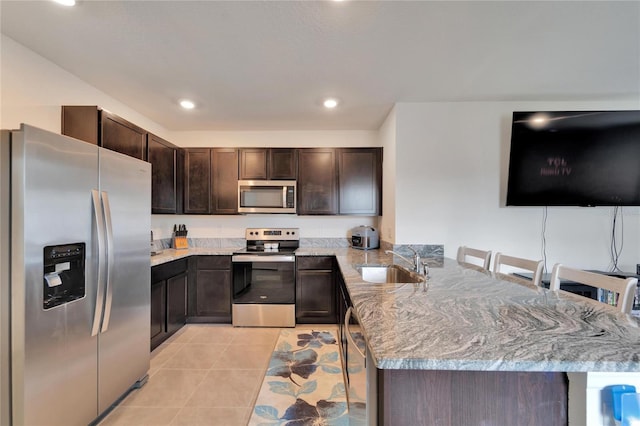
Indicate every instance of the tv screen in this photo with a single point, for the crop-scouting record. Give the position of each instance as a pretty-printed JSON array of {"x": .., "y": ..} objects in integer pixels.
[{"x": 575, "y": 158}]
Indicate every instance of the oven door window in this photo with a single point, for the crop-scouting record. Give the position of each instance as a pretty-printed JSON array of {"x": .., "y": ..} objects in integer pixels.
[{"x": 264, "y": 282}]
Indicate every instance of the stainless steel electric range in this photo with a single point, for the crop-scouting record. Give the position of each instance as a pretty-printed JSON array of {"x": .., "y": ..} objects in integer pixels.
[{"x": 264, "y": 279}]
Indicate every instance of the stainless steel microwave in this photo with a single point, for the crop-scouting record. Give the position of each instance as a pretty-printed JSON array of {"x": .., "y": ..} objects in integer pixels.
[{"x": 266, "y": 196}]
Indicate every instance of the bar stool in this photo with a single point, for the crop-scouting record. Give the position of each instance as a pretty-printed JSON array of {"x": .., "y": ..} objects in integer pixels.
[
  {"x": 624, "y": 287},
  {"x": 484, "y": 256},
  {"x": 533, "y": 266}
]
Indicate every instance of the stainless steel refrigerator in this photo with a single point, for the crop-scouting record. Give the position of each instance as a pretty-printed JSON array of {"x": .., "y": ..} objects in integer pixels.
[{"x": 74, "y": 277}]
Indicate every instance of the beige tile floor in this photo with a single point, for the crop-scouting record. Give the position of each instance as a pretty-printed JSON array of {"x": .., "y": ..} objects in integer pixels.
[{"x": 205, "y": 374}]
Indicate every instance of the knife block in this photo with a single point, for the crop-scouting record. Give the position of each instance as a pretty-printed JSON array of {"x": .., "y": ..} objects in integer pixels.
[{"x": 180, "y": 242}]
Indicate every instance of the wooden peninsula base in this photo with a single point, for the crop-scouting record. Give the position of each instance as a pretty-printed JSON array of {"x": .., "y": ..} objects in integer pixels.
[{"x": 454, "y": 398}]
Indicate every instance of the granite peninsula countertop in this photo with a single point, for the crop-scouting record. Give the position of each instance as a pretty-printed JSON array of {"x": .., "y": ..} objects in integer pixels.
[
  {"x": 168, "y": 255},
  {"x": 466, "y": 319},
  {"x": 471, "y": 320}
]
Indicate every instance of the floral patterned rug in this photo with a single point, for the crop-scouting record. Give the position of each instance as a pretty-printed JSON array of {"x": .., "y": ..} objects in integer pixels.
[{"x": 304, "y": 382}]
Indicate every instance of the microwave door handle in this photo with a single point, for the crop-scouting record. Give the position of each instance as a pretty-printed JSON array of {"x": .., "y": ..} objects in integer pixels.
[{"x": 284, "y": 196}]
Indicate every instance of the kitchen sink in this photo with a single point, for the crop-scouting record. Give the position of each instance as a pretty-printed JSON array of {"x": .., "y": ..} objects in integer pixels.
[{"x": 389, "y": 274}]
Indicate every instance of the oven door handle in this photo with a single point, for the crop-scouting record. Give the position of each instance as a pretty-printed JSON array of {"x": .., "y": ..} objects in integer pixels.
[{"x": 238, "y": 258}]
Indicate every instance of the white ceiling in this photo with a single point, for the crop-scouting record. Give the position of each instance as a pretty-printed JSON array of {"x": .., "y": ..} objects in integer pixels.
[{"x": 260, "y": 65}]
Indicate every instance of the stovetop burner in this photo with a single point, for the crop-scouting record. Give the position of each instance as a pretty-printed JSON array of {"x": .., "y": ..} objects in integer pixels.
[{"x": 270, "y": 241}]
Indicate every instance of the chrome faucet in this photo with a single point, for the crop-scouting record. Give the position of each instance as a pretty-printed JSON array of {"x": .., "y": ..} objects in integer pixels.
[{"x": 415, "y": 263}]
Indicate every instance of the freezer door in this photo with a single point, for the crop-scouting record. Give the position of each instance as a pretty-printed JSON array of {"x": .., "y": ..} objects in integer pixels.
[
  {"x": 125, "y": 187},
  {"x": 54, "y": 357}
]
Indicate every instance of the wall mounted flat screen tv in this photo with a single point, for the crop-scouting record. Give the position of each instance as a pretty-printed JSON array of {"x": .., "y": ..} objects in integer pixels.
[{"x": 574, "y": 158}]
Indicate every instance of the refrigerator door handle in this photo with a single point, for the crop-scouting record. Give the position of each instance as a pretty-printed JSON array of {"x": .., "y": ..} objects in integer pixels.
[
  {"x": 99, "y": 221},
  {"x": 110, "y": 260}
]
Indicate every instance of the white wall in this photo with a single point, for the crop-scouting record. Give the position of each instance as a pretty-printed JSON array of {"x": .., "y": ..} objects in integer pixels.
[
  {"x": 277, "y": 139},
  {"x": 32, "y": 90},
  {"x": 209, "y": 226},
  {"x": 387, "y": 136},
  {"x": 450, "y": 186}
]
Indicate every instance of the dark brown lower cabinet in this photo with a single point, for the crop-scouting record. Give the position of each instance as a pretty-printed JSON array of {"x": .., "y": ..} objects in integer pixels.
[
  {"x": 168, "y": 299},
  {"x": 176, "y": 302},
  {"x": 315, "y": 290},
  {"x": 158, "y": 312},
  {"x": 453, "y": 398},
  {"x": 210, "y": 289}
]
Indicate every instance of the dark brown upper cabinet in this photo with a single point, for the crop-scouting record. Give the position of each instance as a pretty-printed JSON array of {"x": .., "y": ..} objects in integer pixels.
[
  {"x": 360, "y": 181},
  {"x": 197, "y": 181},
  {"x": 211, "y": 181},
  {"x": 81, "y": 122},
  {"x": 253, "y": 163},
  {"x": 224, "y": 184},
  {"x": 268, "y": 163},
  {"x": 317, "y": 181},
  {"x": 97, "y": 126},
  {"x": 122, "y": 136},
  {"x": 166, "y": 176}
]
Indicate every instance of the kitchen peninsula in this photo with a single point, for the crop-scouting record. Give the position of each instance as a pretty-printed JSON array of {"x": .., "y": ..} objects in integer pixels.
[{"x": 469, "y": 347}]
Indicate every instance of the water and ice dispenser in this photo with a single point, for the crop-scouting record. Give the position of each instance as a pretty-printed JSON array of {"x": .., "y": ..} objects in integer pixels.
[{"x": 64, "y": 276}]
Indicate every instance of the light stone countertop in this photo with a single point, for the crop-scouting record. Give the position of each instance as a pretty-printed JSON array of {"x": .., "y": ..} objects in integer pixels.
[
  {"x": 470, "y": 320},
  {"x": 168, "y": 255}
]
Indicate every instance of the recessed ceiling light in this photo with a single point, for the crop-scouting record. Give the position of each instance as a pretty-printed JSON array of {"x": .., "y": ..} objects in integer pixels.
[
  {"x": 66, "y": 2},
  {"x": 330, "y": 103},
  {"x": 187, "y": 104}
]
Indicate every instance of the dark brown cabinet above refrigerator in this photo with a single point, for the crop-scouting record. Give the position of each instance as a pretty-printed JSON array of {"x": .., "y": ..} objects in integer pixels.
[
  {"x": 100, "y": 127},
  {"x": 94, "y": 125}
]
